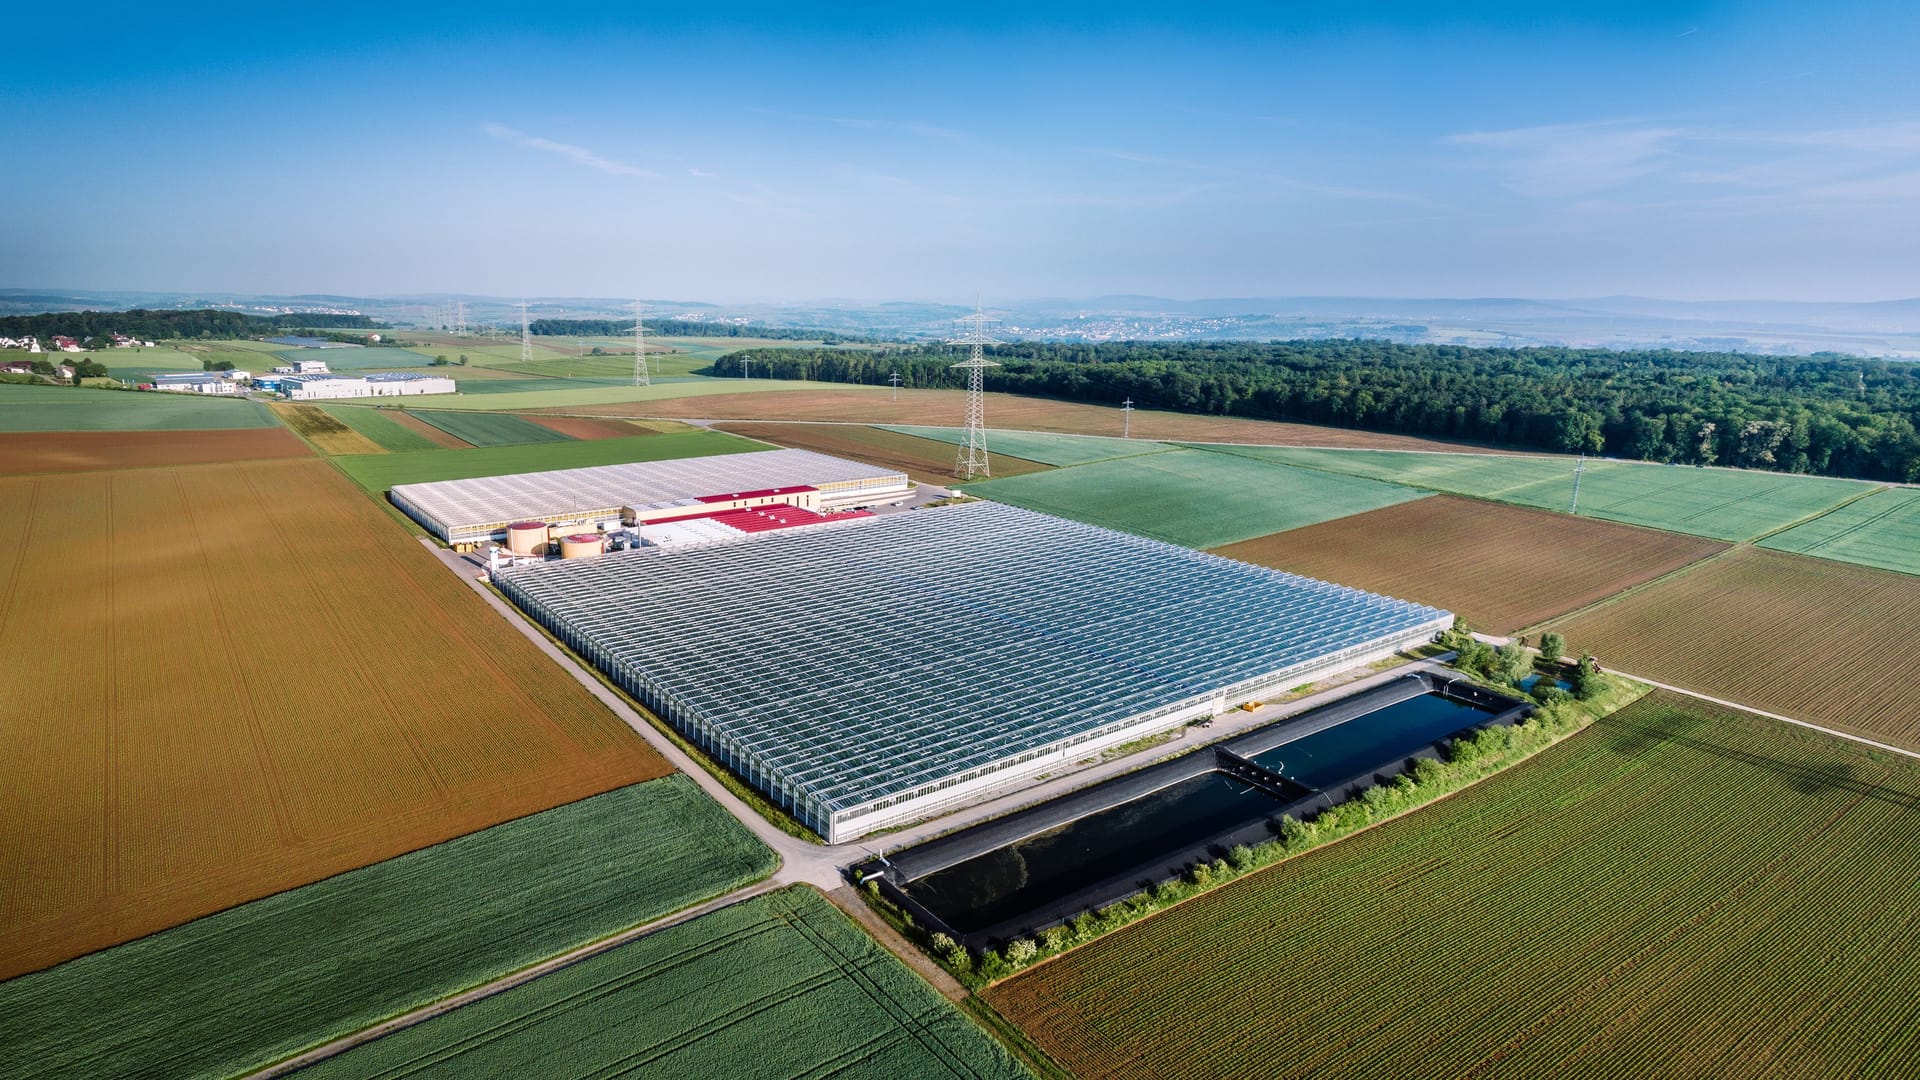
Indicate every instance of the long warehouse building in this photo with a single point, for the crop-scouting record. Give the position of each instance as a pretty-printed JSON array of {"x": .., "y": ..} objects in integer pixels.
[
  {"x": 868, "y": 676},
  {"x": 607, "y": 496}
]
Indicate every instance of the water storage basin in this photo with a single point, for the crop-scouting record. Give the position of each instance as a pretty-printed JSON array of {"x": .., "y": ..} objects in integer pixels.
[
  {"x": 1041, "y": 866},
  {"x": 1340, "y": 753},
  {"x": 1043, "y": 869}
]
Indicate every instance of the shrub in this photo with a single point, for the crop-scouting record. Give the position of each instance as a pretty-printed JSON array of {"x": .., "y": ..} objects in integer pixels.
[
  {"x": 1552, "y": 647},
  {"x": 1021, "y": 951},
  {"x": 1241, "y": 857}
]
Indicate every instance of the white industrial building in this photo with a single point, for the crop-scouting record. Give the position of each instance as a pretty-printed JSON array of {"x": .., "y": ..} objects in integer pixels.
[
  {"x": 607, "y": 497},
  {"x": 197, "y": 382},
  {"x": 379, "y": 384}
]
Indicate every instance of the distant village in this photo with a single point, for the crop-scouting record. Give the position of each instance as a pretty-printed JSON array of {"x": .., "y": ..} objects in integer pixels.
[{"x": 298, "y": 380}]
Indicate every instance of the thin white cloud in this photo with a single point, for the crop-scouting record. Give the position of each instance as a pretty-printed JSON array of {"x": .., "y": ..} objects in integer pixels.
[
  {"x": 911, "y": 127},
  {"x": 1257, "y": 178},
  {"x": 1723, "y": 169},
  {"x": 579, "y": 155},
  {"x": 1563, "y": 160}
]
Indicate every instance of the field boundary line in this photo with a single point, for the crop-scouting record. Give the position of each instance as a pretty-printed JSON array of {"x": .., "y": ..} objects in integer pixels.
[
  {"x": 508, "y": 981},
  {"x": 1816, "y": 516},
  {"x": 1808, "y": 724},
  {"x": 1634, "y": 590}
]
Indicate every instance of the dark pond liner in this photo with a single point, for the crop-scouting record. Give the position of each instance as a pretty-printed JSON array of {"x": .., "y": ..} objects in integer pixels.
[{"x": 1232, "y": 760}]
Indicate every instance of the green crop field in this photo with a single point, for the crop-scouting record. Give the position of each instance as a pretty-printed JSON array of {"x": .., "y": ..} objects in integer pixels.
[
  {"x": 1880, "y": 530},
  {"x": 507, "y": 382},
  {"x": 71, "y": 408},
  {"x": 375, "y": 424},
  {"x": 373, "y": 358},
  {"x": 782, "y": 985},
  {"x": 378, "y": 472},
  {"x": 1193, "y": 497},
  {"x": 490, "y": 429},
  {"x": 569, "y": 393},
  {"x": 254, "y": 984},
  {"x": 1721, "y": 504},
  {"x": 1043, "y": 447},
  {"x": 1681, "y": 890}
]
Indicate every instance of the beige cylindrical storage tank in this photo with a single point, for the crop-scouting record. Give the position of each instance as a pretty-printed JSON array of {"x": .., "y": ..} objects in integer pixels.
[
  {"x": 580, "y": 546},
  {"x": 525, "y": 537}
]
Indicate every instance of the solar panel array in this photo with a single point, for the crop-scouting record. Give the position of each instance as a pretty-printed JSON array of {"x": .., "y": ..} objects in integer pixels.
[
  {"x": 456, "y": 508},
  {"x": 840, "y": 668}
]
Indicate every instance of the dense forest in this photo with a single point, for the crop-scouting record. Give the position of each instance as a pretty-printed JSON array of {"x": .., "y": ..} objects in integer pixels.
[
  {"x": 152, "y": 325},
  {"x": 681, "y": 328},
  {"x": 1826, "y": 414}
]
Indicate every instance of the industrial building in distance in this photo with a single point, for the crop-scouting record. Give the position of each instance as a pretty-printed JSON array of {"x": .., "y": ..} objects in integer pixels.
[
  {"x": 606, "y": 498},
  {"x": 866, "y": 676},
  {"x": 377, "y": 384}
]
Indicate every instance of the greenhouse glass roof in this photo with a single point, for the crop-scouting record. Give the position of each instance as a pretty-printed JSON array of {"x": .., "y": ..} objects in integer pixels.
[{"x": 862, "y": 662}]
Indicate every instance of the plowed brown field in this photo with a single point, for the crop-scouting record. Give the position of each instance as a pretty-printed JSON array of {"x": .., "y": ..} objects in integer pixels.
[
  {"x": 226, "y": 682},
  {"x": 925, "y": 460},
  {"x": 587, "y": 427},
  {"x": 945, "y": 408},
  {"x": 421, "y": 427},
  {"x": 1811, "y": 639},
  {"x": 82, "y": 451},
  {"x": 1501, "y": 567}
]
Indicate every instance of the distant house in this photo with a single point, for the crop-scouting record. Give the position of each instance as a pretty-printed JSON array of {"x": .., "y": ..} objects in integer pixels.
[
  {"x": 17, "y": 367},
  {"x": 310, "y": 367},
  {"x": 63, "y": 371},
  {"x": 66, "y": 344}
]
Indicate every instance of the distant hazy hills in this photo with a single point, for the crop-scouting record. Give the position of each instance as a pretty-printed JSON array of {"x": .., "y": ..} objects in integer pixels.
[{"x": 1887, "y": 329}]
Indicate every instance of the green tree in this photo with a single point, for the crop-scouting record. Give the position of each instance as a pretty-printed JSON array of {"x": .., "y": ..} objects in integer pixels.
[
  {"x": 1586, "y": 678},
  {"x": 1552, "y": 647},
  {"x": 1512, "y": 662}
]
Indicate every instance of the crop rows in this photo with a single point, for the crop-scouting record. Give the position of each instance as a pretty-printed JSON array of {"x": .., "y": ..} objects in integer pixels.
[
  {"x": 89, "y": 451},
  {"x": 247, "y": 986},
  {"x": 387, "y": 428},
  {"x": 782, "y": 985},
  {"x": 490, "y": 429},
  {"x": 1809, "y": 638},
  {"x": 1047, "y": 448},
  {"x": 1501, "y": 567},
  {"x": 264, "y": 683},
  {"x": 378, "y": 472},
  {"x": 65, "y": 408},
  {"x": 1880, "y": 530},
  {"x": 1193, "y": 497},
  {"x": 325, "y": 430},
  {"x": 1720, "y": 504},
  {"x": 1681, "y": 890},
  {"x": 923, "y": 459}
]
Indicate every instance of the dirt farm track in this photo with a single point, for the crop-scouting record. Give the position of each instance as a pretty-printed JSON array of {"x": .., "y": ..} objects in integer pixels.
[{"x": 242, "y": 679}]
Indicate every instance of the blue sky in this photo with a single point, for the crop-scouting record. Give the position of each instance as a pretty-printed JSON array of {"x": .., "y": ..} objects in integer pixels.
[{"x": 1687, "y": 150}]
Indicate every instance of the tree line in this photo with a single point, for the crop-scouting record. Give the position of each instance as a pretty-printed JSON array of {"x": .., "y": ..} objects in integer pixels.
[
  {"x": 1825, "y": 414},
  {"x": 151, "y": 325},
  {"x": 683, "y": 328}
]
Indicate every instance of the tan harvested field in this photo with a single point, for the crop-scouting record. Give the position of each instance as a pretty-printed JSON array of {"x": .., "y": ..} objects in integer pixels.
[
  {"x": 225, "y": 682},
  {"x": 944, "y": 408},
  {"x": 588, "y": 427},
  {"x": 324, "y": 431},
  {"x": 1501, "y": 567},
  {"x": 1807, "y": 638},
  {"x": 422, "y": 428},
  {"x": 84, "y": 451},
  {"x": 925, "y": 460}
]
